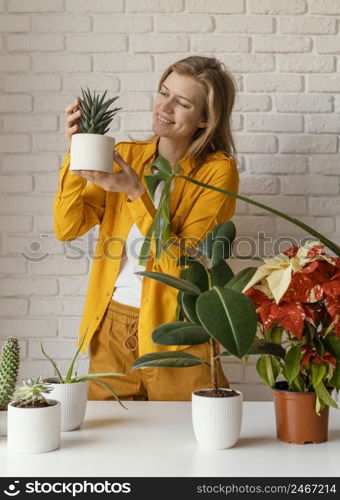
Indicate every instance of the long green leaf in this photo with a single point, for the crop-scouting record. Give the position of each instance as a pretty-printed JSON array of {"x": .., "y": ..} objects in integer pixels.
[
  {"x": 318, "y": 373},
  {"x": 332, "y": 345},
  {"x": 221, "y": 273},
  {"x": 241, "y": 279},
  {"x": 104, "y": 384},
  {"x": 230, "y": 318},
  {"x": 179, "y": 333},
  {"x": 324, "y": 395},
  {"x": 268, "y": 368},
  {"x": 264, "y": 347},
  {"x": 335, "y": 380},
  {"x": 61, "y": 381},
  {"x": 173, "y": 281},
  {"x": 170, "y": 359},
  {"x": 332, "y": 246},
  {"x": 292, "y": 363},
  {"x": 70, "y": 370}
]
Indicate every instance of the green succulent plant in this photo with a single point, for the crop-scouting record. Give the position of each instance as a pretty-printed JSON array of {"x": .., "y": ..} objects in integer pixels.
[
  {"x": 30, "y": 393},
  {"x": 96, "y": 115},
  {"x": 9, "y": 367},
  {"x": 72, "y": 377}
]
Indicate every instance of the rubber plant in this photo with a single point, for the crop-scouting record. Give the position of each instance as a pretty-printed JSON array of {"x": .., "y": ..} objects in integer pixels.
[{"x": 211, "y": 308}]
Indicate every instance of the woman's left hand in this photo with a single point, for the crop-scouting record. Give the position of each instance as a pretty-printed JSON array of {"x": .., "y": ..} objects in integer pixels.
[{"x": 125, "y": 181}]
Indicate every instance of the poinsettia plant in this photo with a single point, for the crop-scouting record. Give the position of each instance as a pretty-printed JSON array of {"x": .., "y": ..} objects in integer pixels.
[{"x": 297, "y": 299}]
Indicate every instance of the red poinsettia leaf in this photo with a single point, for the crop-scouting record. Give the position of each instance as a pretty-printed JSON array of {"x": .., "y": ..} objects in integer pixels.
[
  {"x": 291, "y": 251},
  {"x": 309, "y": 312},
  {"x": 256, "y": 296},
  {"x": 266, "y": 316},
  {"x": 333, "y": 307},
  {"x": 329, "y": 358},
  {"x": 332, "y": 289},
  {"x": 303, "y": 288},
  {"x": 291, "y": 316}
]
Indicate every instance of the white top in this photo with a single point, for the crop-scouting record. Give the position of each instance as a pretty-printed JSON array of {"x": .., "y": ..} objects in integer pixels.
[
  {"x": 128, "y": 286},
  {"x": 155, "y": 438}
]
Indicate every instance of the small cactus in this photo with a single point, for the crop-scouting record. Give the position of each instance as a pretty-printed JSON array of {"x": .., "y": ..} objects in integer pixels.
[
  {"x": 30, "y": 393},
  {"x": 9, "y": 367}
]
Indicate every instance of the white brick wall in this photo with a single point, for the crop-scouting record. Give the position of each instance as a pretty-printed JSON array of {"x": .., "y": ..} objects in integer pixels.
[{"x": 284, "y": 55}]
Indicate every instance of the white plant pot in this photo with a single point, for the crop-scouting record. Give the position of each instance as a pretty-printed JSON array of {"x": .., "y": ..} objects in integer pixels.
[
  {"x": 33, "y": 430},
  {"x": 92, "y": 152},
  {"x": 3, "y": 423},
  {"x": 217, "y": 421},
  {"x": 73, "y": 399}
]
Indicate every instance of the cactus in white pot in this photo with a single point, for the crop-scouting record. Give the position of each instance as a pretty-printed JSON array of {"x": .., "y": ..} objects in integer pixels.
[
  {"x": 91, "y": 149},
  {"x": 9, "y": 367}
]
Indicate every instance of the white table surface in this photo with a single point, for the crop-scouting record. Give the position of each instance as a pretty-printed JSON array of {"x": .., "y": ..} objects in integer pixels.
[{"x": 156, "y": 439}]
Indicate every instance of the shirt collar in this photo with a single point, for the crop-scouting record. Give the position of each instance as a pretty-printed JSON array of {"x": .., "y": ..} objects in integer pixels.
[{"x": 150, "y": 154}]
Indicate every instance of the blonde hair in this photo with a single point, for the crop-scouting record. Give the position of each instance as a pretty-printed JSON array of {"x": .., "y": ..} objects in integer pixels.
[{"x": 220, "y": 90}]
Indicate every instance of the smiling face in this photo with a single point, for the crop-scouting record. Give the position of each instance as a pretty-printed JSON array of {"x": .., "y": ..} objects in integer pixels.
[{"x": 178, "y": 108}]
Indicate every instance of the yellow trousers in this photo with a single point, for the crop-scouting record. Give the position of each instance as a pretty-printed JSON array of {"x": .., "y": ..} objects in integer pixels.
[{"x": 114, "y": 348}]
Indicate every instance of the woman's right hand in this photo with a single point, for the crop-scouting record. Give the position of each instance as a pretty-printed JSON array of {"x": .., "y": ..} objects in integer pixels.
[{"x": 72, "y": 113}]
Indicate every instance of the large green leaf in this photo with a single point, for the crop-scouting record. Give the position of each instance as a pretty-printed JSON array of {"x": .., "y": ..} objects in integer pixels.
[
  {"x": 221, "y": 274},
  {"x": 332, "y": 345},
  {"x": 241, "y": 279},
  {"x": 268, "y": 368},
  {"x": 324, "y": 395},
  {"x": 335, "y": 380},
  {"x": 229, "y": 317},
  {"x": 292, "y": 363},
  {"x": 179, "y": 333},
  {"x": 197, "y": 274},
  {"x": 188, "y": 304},
  {"x": 170, "y": 359},
  {"x": 152, "y": 182},
  {"x": 264, "y": 347},
  {"x": 163, "y": 166},
  {"x": 223, "y": 237},
  {"x": 170, "y": 280},
  {"x": 318, "y": 373}
]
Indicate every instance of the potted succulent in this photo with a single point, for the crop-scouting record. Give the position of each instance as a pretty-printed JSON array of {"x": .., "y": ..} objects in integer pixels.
[
  {"x": 90, "y": 148},
  {"x": 71, "y": 391},
  {"x": 33, "y": 421},
  {"x": 9, "y": 367},
  {"x": 212, "y": 309},
  {"x": 297, "y": 298}
]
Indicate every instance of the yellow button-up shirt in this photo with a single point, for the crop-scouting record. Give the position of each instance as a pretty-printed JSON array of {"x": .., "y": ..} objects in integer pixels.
[{"x": 195, "y": 210}]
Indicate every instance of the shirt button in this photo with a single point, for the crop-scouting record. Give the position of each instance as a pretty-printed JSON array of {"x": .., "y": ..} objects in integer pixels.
[
  {"x": 97, "y": 318},
  {"x": 108, "y": 294},
  {"x": 145, "y": 299}
]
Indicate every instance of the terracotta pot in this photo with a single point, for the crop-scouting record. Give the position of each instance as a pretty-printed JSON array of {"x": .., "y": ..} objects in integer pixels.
[{"x": 296, "y": 419}]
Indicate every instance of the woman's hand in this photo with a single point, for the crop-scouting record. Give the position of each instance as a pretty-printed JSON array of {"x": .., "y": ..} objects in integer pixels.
[
  {"x": 72, "y": 113},
  {"x": 125, "y": 181}
]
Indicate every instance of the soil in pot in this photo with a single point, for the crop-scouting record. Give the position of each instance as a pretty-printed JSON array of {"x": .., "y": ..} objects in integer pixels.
[
  {"x": 39, "y": 403},
  {"x": 217, "y": 393},
  {"x": 296, "y": 419}
]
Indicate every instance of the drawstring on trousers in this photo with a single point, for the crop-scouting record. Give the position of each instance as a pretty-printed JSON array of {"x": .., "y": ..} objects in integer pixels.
[{"x": 131, "y": 341}]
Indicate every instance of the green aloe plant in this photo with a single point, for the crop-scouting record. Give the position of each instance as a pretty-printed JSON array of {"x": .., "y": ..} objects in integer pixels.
[
  {"x": 211, "y": 308},
  {"x": 30, "y": 394},
  {"x": 160, "y": 228},
  {"x": 71, "y": 378}
]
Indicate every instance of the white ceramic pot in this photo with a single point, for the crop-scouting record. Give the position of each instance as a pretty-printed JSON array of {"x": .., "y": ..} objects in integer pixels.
[
  {"x": 3, "y": 423},
  {"x": 73, "y": 399},
  {"x": 34, "y": 430},
  {"x": 92, "y": 152},
  {"x": 217, "y": 421}
]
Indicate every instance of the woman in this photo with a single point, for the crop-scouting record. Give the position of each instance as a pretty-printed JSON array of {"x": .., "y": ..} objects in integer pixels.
[{"x": 191, "y": 123}]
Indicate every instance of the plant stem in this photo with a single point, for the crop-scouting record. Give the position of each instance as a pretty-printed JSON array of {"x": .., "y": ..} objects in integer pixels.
[
  {"x": 332, "y": 246},
  {"x": 213, "y": 364}
]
